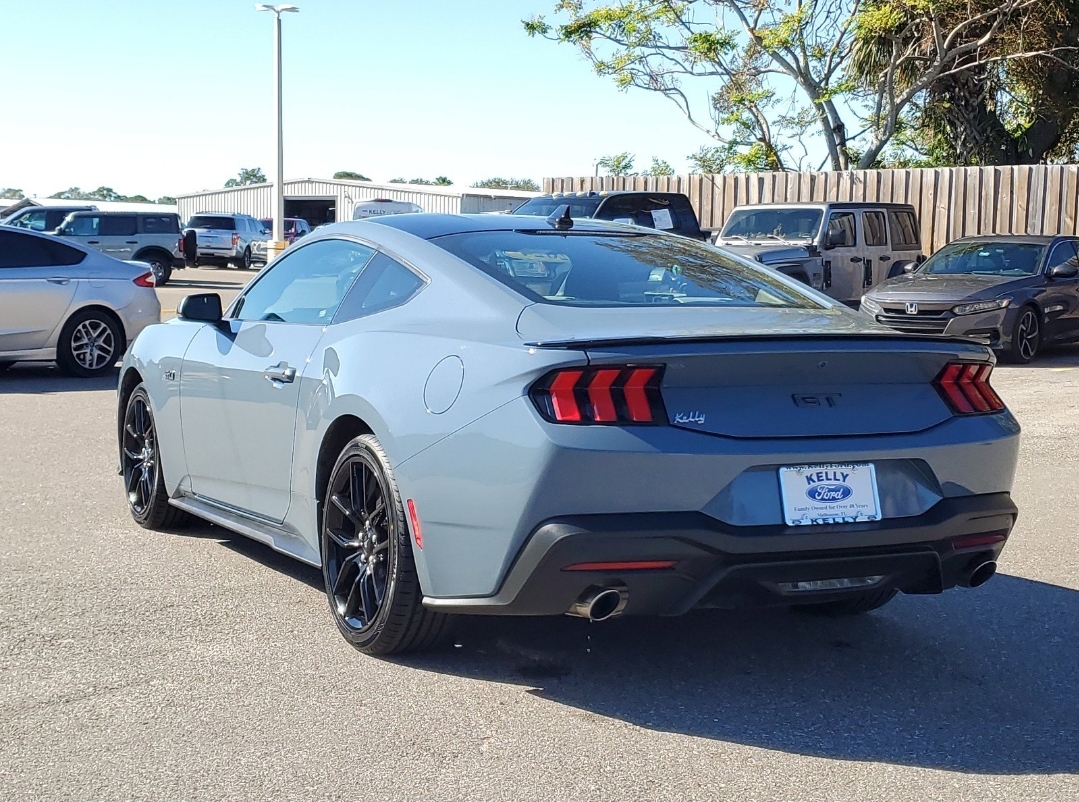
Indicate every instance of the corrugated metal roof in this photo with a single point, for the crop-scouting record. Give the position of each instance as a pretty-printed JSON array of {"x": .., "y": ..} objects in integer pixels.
[{"x": 256, "y": 199}]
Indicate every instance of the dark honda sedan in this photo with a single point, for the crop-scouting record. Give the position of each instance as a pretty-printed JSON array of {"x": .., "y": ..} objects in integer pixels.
[{"x": 1013, "y": 293}]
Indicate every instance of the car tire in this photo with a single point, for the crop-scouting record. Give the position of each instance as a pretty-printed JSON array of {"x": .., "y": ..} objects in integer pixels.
[
  {"x": 245, "y": 260},
  {"x": 160, "y": 266},
  {"x": 1026, "y": 336},
  {"x": 369, "y": 570},
  {"x": 90, "y": 344},
  {"x": 140, "y": 461},
  {"x": 855, "y": 604}
]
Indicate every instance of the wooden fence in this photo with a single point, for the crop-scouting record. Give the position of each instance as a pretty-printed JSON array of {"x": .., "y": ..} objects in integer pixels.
[{"x": 952, "y": 202}]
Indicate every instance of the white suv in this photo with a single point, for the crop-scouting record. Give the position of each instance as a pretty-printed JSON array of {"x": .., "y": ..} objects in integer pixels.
[{"x": 224, "y": 238}]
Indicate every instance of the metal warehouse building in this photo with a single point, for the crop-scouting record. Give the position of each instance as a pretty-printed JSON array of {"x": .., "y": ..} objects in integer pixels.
[{"x": 321, "y": 201}]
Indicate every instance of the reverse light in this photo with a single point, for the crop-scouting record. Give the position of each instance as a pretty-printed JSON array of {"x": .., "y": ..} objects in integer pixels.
[
  {"x": 981, "y": 306},
  {"x": 604, "y": 395},
  {"x": 965, "y": 386},
  {"x": 145, "y": 280}
]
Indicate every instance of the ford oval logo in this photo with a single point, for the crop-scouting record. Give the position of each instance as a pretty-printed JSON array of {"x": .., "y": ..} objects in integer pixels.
[{"x": 829, "y": 493}]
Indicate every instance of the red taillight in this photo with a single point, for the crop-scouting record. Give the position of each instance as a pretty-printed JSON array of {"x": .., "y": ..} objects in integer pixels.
[
  {"x": 235, "y": 240},
  {"x": 626, "y": 565},
  {"x": 145, "y": 280},
  {"x": 611, "y": 395},
  {"x": 414, "y": 519},
  {"x": 965, "y": 386},
  {"x": 976, "y": 541}
]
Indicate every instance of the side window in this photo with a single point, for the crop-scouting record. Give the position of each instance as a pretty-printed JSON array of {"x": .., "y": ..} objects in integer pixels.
[
  {"x": 384, "y": 284},
  {"x": 35, "y": 221},
  {"x": 1063, "y": 253},
  {"x": 118, "y": 225},
  {"x": 652, "y": 212},
  {"x": 843, "y": 221},
  {"x": 904, "y": 231},
  {"x": 685, "y": 217},
  {"x": 306, "y": 285},
  {"x": 152, "y": 224},
  {"x": 873, "y": 226},
  {"x": 84, "y": 226},
  {"x": 26, "y": 250}
]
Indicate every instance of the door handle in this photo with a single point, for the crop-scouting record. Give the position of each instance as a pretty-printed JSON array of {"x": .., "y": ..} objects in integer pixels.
[
  {"x": 856, "y": 258},
  {"x": 58, "y": 280},
  {"x": 131, "y": 242},
  {"x": 885, "y": 258},
  {"x": 93, "y": 242},
  {"x": 280, "y": 373}
]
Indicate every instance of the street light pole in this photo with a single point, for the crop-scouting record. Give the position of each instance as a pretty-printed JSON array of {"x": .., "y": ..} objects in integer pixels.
[{"x": 278, "y": 244}]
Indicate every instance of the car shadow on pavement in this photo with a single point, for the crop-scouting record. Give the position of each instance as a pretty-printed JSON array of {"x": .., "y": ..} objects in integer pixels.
[
  {"x": 30, "y": 378},
  {"x": 1054, "y": 356},
  {"x": 982, "y": 681},
  {"x": 256, "y": 551},
  {"x": 202, "y": 284}
]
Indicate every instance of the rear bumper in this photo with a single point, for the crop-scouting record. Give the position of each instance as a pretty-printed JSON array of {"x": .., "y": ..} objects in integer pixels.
[{"x": 718, "y": 565}]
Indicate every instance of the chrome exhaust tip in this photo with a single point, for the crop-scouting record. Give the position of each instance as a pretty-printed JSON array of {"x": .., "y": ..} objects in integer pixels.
[
  {"x": 599, "y": 604},
  {"x": 979, "y": 574}
]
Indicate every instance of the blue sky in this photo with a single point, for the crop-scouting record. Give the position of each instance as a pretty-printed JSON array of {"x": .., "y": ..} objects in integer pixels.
[{"x": 171, "y": 96}]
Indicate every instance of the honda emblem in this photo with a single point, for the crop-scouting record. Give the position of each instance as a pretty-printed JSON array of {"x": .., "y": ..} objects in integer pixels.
[{"x": 912, "y": 309}]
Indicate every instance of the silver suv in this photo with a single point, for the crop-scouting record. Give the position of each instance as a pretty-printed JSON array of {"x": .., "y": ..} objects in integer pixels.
[
  {"x": 224, "y": 238},
  {"x": 842, "y": 249},
  {"x": 151, "y": 237}
]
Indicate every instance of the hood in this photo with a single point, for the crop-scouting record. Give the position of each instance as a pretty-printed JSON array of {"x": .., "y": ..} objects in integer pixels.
[
  {"x": 768, "y": 253},
  {"x": 551, "y": 323},
  {"x": 929, "y": 288}
]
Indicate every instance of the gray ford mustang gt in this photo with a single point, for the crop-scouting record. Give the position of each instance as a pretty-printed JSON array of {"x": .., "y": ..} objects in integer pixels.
[{"x": 515, "y": 415}]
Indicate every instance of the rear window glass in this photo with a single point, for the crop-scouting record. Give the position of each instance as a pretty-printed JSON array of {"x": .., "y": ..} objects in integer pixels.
[
  {"x": 545, "y": 207},
  {"x": 904, "y": 230},
  {"x": 589, "y": 269},
  {"x": 212, "y": 222}
]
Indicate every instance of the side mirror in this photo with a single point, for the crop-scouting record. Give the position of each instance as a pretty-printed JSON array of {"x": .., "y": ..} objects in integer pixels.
[
  {"x": 61, "y": 231},
  {"x": 1066, "y": 270},
  {"x": 835, "y": 238},
  {"x": 204, "y": 307},
  {"x": 901, "y": 267}
]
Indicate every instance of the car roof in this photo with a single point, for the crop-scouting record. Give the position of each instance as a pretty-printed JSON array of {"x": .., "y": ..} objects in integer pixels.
[
  {"x": 840, "y": 205},
  {"x": 430, "y": 225},
  {"x": 83, "y": 212}
]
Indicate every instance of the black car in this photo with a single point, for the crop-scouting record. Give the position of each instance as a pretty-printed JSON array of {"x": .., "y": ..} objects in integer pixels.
[
  {"x": 668, "y": 211},
  {"x": 1014, "y": 293}
]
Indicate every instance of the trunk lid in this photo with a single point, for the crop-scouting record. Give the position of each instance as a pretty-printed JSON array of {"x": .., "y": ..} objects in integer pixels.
[{"x": 772, "y": 373}]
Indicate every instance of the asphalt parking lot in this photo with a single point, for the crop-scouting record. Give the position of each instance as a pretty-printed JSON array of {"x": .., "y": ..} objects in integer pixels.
[{"x": 136, "y": 665}]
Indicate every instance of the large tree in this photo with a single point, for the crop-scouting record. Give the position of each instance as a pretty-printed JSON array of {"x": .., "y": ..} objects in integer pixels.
[
  {"x": 1013, "y": 100},
  {"x": 759, "y": 76},
  {"x": 525, "y": 184},
  {"x": 11, "y": 192},
  {"x": 349, "y": 175}
]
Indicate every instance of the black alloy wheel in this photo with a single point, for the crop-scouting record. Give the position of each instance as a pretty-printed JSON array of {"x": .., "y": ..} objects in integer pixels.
[
  {"x": 140, "y": 461},
  {"x": 245, "y": 261},
  {"x": 1027, "y": 337},
  {"x": 368, "y": 566}
]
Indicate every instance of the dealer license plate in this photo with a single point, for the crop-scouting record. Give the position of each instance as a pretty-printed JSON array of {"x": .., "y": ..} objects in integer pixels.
[{"x": 829, "y": 494}]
